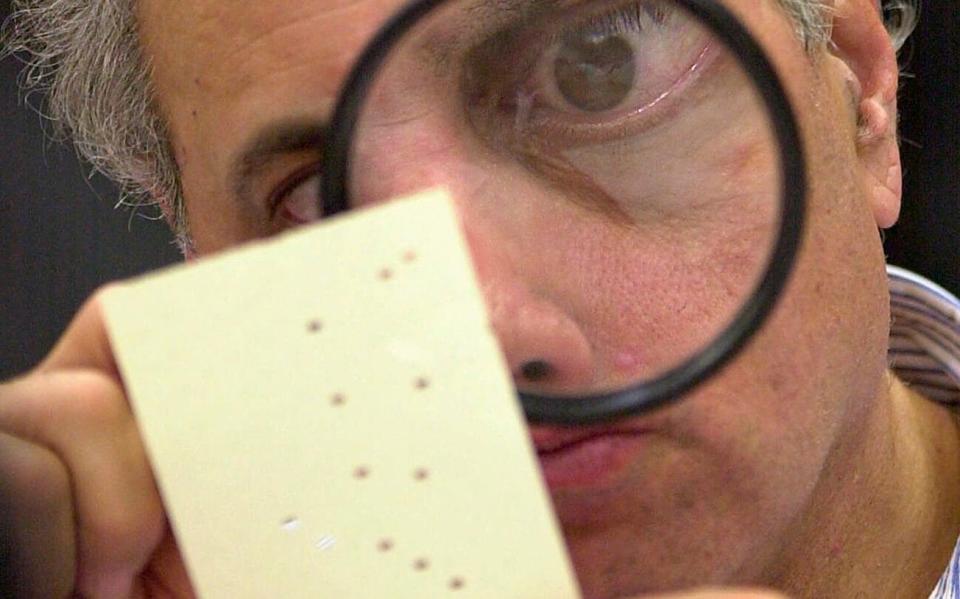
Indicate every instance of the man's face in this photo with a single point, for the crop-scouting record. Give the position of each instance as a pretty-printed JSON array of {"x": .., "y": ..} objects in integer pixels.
[{"x": 712, "y": 490}]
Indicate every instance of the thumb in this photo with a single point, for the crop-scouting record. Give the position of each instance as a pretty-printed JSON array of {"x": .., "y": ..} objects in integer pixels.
[{"x": 85, "y": 344}]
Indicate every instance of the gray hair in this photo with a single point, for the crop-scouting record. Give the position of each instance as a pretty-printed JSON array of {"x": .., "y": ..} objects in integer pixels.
[{"x": 86, "y": 56}]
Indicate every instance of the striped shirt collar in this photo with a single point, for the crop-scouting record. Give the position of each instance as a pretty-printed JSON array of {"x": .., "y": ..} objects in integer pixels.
[
  {"x": 925, "y": 336},
  {"x": 925, "y": 354}
]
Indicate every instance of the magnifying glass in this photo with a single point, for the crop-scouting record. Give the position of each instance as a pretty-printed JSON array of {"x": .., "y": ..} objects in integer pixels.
[{"x": 635, "y": 164}]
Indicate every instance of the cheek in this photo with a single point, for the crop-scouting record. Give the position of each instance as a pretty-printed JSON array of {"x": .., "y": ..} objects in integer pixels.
[
  {"x": 657, "y": 293},
  {"x": 712, "y": 502},
  {"x": 645, "y": 292},
  {"x": 739, "y": 460},
  {"x": 744, "y": 454},
  {"x": 698, "y": 208}
]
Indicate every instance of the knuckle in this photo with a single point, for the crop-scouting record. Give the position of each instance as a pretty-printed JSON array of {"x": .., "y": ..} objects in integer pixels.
[
  {"x": 54, "y": 407},
  {"x": 34, "y": 480},
  {"x": 85, "y": 343},
  {"x": 114, "y": 527},
  {"x": 95, "y": 398},
  {"x": 36, "y": 522},
  {"x": 65, "y": 411},
  {"x": 95, "y": 302},
  {"x": 125, "y": 533}
]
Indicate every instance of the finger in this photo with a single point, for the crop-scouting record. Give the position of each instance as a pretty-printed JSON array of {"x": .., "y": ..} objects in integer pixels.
[
  {"x": 36, "y": 517},
  {"x": 85, "y": 344},
  {"x": 83, "y": 417},
  {"x": 166, "y": 575}
]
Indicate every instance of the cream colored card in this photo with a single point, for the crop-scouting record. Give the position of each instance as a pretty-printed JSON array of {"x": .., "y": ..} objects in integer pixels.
[{"x": 328, "y": 415}]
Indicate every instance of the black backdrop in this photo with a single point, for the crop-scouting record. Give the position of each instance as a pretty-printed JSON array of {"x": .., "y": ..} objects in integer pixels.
[
  {"x": 60, "y": 236},
  {"x": 927, "y": 239}
]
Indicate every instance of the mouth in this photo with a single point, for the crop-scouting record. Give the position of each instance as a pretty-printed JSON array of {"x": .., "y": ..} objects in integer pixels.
[{"x": 592, "y": 459}]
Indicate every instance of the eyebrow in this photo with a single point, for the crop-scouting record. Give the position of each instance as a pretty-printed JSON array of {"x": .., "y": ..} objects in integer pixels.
[
  {"x": 473, "y": 20},
  {"x": 291, "y": 136},
  {"x": 273, "y": 141}
]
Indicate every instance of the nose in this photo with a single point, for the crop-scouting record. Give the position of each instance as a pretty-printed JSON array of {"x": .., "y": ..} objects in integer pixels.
[{"x": 545, "y": 347}]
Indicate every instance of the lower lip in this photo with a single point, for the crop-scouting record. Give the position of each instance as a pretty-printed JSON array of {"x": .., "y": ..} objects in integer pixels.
[{"x": 593, "y": 463}]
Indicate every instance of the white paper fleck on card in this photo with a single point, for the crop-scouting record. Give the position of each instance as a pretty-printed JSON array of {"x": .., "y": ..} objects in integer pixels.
[{"x": 328, "y": 415}]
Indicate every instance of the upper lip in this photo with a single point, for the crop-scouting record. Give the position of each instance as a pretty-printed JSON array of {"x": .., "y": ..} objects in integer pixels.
[{"x": 549, "y": 439}]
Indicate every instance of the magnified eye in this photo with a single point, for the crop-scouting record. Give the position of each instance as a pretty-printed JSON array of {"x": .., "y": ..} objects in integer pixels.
[
  {"x": 594, "y": 66},
  {"x": 631, "y": 162},
  {"x": 593, "y": 71}
]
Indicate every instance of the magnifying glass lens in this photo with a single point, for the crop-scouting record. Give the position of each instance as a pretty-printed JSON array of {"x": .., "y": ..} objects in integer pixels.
[{"x": 616, "y": 167}]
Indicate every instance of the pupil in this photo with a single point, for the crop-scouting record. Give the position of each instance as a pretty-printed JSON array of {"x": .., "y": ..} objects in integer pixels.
[{"x": 595, "y": 72}]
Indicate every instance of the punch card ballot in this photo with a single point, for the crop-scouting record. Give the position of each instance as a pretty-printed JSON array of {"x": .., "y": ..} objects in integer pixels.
[{"x": 328, "y": 414}]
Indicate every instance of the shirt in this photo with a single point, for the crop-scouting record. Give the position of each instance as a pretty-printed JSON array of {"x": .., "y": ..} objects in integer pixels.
[{"x": 925, "y": 354}]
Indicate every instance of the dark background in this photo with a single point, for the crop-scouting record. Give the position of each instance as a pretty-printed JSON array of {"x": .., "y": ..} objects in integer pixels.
[
  {"x": 60, "y": 237},
  {"x": 927, "y": 240}
]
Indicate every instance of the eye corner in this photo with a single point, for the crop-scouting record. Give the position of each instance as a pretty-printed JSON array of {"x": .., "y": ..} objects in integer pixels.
[{"x": 296, "y": 198}]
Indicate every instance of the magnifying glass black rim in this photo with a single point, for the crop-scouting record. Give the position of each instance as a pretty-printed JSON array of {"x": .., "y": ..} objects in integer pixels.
[{"x": 674, "y": 383}]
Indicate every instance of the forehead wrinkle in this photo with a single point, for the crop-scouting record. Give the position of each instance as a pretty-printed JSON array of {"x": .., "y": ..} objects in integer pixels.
[
  {"x": 291, "y": 44},
  {"x": 236, "y": 58},
  {"x": 225, "y": 45}
]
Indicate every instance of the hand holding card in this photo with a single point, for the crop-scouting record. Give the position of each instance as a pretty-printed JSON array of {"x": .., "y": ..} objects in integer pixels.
[{"x": 328, "y": 415}]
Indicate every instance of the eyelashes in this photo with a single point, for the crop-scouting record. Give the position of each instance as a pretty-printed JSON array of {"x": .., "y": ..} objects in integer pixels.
[
  {"x": 296, "y": 200},
  {"x": 586, "y": 77}
]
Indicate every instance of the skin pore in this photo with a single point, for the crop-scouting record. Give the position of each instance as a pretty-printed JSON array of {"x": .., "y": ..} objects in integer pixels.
[{"x": 804, "y": 466}]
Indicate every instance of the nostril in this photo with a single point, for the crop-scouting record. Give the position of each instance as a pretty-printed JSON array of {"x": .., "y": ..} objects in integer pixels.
[{"x": 536, "y": 370}]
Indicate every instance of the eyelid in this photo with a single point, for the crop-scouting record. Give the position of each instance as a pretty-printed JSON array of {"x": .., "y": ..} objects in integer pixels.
[
  {"x": 290, "y": 183},
  {"x": 641, "y": 118}
]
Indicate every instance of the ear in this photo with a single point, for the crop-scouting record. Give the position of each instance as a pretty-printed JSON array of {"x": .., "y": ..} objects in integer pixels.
[{"x": 861, "y": 43}]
